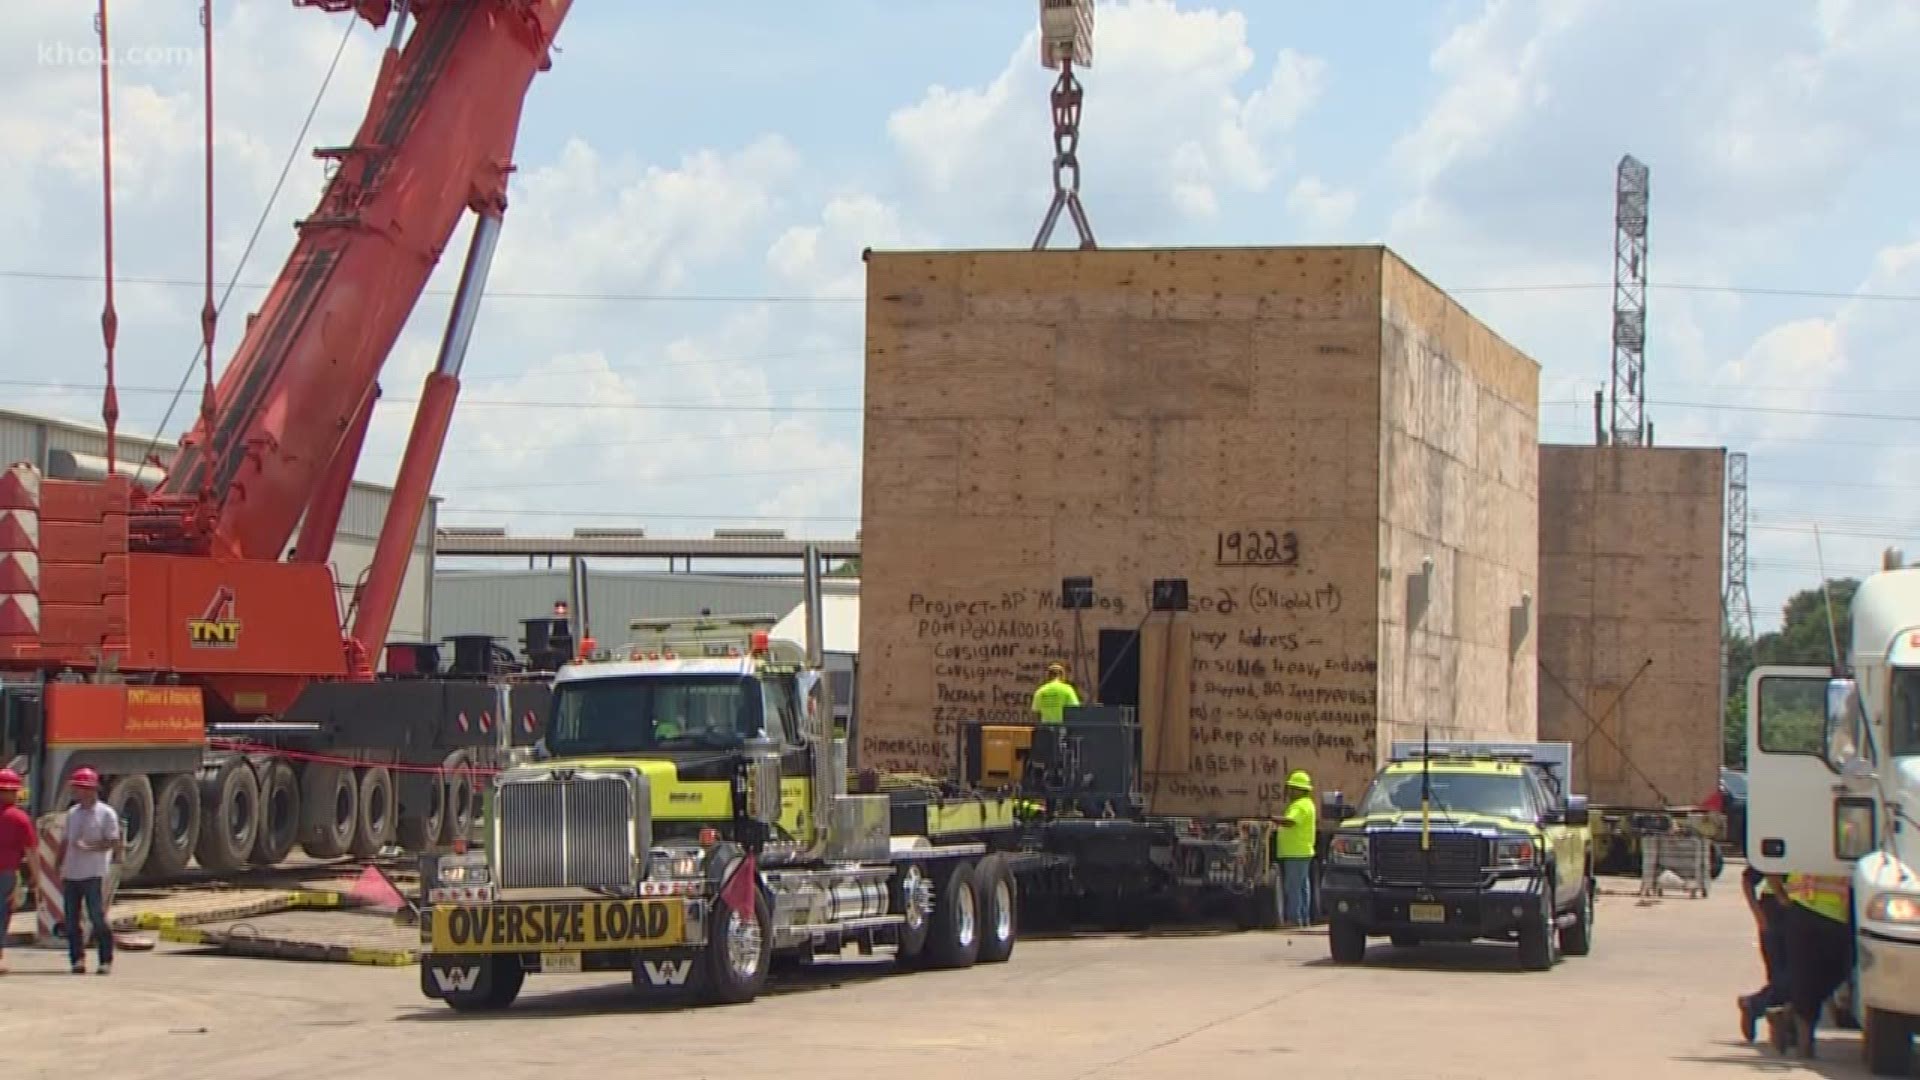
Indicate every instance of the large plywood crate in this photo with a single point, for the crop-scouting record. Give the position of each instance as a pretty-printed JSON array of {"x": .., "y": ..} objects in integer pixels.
[
  {"x": 1293, "y": 431},
  {"x": 1631, "y": 559}
]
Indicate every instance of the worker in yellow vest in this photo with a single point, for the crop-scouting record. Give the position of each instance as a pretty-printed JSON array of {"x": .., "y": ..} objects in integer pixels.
[
  {"x": 1055, "y": 695},
  {"x": 1819, "y": 938},
  {"x": 1293, "y": 843}
]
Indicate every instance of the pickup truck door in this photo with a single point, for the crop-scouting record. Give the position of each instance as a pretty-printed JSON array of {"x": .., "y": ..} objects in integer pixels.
[{"x": 1795, "y": 801}]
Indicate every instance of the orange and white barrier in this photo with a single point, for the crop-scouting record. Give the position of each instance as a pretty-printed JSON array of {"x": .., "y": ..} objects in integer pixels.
[{"x": 50, "y": 905}]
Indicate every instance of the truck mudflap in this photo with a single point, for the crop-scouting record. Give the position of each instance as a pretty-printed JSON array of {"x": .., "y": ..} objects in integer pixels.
[
  {"x": 1889, "y": 973},
  {"x": 554, "y": 929}
]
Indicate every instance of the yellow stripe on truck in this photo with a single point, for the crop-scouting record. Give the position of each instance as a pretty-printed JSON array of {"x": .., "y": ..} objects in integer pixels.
[{"x": 577, "y": 924}]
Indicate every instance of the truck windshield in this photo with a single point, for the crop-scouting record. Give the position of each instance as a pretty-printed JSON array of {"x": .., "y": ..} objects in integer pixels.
[
  {"x": 1903, "y": 736},
  {"x": 653, "y": 712},
  {"x": 1495, "y": 794}
]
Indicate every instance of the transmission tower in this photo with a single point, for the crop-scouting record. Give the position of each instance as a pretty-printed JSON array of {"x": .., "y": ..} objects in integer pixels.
[
  {"x": 1630, "y": 426},
  {"x": 1739, "y": 602}
]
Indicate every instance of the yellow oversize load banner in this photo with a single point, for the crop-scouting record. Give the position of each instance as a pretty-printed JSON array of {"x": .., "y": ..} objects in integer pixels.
[{"x": 559, "y": 926}]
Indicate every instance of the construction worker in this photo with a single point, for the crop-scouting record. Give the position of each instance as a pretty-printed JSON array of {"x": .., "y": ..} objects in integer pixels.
[
  {"x": 16, "y": 840},
  {"x": 1055, "y": 695},
  {"x": 1763, "y": 894},
  {"x": 1293, "y": 844},
  {"x": 1818, "y": 933},
  {"x": 92, "y": 840}
]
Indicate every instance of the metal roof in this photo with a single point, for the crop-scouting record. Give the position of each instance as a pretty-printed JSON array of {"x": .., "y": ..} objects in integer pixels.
[{"x": 461, "y": 543}]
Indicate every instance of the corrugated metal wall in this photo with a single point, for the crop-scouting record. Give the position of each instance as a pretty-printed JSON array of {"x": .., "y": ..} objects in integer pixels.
[
  {"x": 494, "y": 601},
  {"x": 24, "y": 437}
]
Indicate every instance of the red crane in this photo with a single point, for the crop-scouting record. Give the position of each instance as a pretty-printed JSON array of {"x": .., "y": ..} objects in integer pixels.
[{"x": 191, "y": 585}]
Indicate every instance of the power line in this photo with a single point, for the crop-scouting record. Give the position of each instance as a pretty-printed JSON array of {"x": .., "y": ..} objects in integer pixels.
[{"x": 469, "y": 403}]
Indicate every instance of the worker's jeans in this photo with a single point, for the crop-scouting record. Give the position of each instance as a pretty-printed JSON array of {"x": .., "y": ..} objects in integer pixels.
[
  {"x": 87, "y": 891},
  {"x": 1296, "y": 892}
]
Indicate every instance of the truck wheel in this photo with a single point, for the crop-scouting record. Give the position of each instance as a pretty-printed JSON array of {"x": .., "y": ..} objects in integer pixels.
[
  {"x": 738, "y": 954},
  {"x": 132, "y": 798},
  {"x": 1889, "y": 1043},
  {"x": 229, "y": 816},
  {"x": 373, "y": 823},
  {"x": 329, "y": 809},
  {"x": 908, "y": 895},
  {"x": 279, "y": 813},
  {"x": 504, "y": 976},
  {"x": 176, "y": 826},
  {"x": 456, "y": 819},
  {"x": 954, "y": 940},
  {"x": 999, "y": 909},
  {"x": 1577, "y": 940},
  {"x": 1346, "y": 941},
  {"x": 1537, "y": 936}
]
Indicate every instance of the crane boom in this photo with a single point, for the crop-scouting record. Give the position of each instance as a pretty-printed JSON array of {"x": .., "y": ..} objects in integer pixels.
[{"x": 437, "y": 140}]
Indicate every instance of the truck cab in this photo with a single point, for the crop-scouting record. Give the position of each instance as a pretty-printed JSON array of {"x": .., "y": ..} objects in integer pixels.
[
  {"x": 1464, "y": 841},
  {"x": 1833, "y": 768}
]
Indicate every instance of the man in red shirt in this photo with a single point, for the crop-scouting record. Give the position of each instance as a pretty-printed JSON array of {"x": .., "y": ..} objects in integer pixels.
[{"x": 16, "y": 841}]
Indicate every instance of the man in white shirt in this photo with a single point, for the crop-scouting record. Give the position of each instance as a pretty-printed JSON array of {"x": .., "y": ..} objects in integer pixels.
[{"x": 92, "y": 841}]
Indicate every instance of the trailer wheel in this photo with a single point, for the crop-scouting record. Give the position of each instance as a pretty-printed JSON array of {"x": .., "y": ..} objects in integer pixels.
[
  {"x": 418, "y": 828},
  {"x": 229, "y": 816},
  {"x": 279, "y": 812},
  {"x": 329, "y": 809},
  {"x": 999, "y": 909},
  {"x": 176, "y": 825},
  {"x": 955, "y": 938},
  {"x": 739, "y": 952},
  {"x": 373, "y": 821},
  {"x": 456, "y": 817},
  {"x": 909, "y": 894},
  {"x": 132, "y": 798}
]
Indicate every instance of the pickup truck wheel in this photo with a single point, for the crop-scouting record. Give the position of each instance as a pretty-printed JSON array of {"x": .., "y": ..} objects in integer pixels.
[
  {"x": 1889, "y": 1043},
  {"x": 1346, "y": 941},
  {"x": 1537, "y": 936},
  {"x": 1577, "y": 940},
  {"x": 999, "y": 909},
  {"x": 739, "y": 952},
  {"x": 955, "y": 938}
]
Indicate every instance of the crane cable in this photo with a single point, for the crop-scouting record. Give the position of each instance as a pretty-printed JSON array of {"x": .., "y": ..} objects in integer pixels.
[{"x": 259, "y": 226}]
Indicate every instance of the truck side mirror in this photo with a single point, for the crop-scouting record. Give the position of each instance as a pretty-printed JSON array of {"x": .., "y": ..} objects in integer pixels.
[
  {"x": 1576, "y": 812},
  {"x": 1842, "y": 744}
]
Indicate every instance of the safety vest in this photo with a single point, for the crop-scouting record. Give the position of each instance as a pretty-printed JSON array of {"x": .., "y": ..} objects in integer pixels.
[{"x": 1827, "y": 896}]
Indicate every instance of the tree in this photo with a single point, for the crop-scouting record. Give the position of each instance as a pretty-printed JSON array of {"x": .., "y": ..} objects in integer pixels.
[{"x": 1803, "y": 639}]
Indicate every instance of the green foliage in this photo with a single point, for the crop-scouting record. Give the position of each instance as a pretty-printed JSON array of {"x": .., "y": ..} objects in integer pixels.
[{"x": 1803, "y": 639}]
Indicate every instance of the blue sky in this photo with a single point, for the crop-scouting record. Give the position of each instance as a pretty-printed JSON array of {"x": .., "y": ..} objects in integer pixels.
[{"x": 753, "y": 148}]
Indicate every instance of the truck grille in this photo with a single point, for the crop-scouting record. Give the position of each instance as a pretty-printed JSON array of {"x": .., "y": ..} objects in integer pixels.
[
  {"x": 1453, "y": 860},
  {"x": 571, "y": 833}
]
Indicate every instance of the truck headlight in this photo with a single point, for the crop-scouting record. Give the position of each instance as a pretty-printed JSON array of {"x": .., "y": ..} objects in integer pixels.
[
  {"x": 1894, "y": 907},
  {"x": 677, "y": 865},
  {"x": 1348, "y": 848},
  {"x": 1513, "y": 854},
  {"x": 469, "y": 869}
]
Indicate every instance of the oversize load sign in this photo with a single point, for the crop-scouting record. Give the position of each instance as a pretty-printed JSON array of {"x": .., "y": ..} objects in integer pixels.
[{"x": 574, "y": 925}]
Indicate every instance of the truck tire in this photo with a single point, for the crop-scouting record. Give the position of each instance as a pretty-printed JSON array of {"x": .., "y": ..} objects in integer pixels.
[
  {"x": 953, "y": 940},
  {"x": 1888, "y": 1039},
  {"x": 1538, "y": 939},
  {"x": 1577, "y": 940},
  {"x": 456, "y": 819},
  {"x": 329, "y": 809},
  {"x": 999, "y": 909},
  {"x": 739, "y": 952},
  {"x": 1346, "y": 941},
  {"x": 505, "y": 976},
  {"x": 229, "y": 816},
  {"x": 279, "y": 812},
  {"x": 373, "y": 820},
  {"x": 132, "y": 798},
  {"x": 423, "y": 805},
  {"x": 176, "y": 825},
  {"x": 907, "y": 896}
]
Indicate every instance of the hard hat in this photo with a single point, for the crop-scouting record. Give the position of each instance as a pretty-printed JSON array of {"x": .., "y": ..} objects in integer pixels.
[
  {"x": 1300, "y": 780},
  {"x": 9, "y": 780},
  {"x": 85, "y": 778}
]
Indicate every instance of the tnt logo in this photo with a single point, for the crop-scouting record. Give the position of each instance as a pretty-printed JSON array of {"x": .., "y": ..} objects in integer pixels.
[{"x": 217, "y": 628}]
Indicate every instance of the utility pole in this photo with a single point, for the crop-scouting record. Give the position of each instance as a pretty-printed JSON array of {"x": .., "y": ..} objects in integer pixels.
[
  {"x": 1739, "y": 601},
  {"x": 1066, "y": 39},
  {"x": 1630, "y": 426}
]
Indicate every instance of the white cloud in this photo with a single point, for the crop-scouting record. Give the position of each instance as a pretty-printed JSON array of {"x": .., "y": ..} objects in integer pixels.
[{"x": 1320, "y": 206}]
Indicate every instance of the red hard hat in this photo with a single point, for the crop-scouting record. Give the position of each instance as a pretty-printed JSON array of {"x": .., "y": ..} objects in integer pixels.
[
  {"x": 9, "y": 780},
  {"x": 84, "y": 778}
]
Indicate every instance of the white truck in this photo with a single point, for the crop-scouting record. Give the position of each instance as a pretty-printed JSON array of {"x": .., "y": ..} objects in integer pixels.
[{"x": 1833, "y": 766}]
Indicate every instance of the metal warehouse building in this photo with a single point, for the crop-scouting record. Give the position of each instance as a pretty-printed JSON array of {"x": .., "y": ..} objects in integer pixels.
[
  {"x": 494, "y": 601},
  {"x": 62, "y": 448}
]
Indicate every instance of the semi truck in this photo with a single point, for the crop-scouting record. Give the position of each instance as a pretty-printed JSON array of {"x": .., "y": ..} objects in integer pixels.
[
  {"x": 1833, "y": 772},
  {"x": 687, "y": 821}
]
